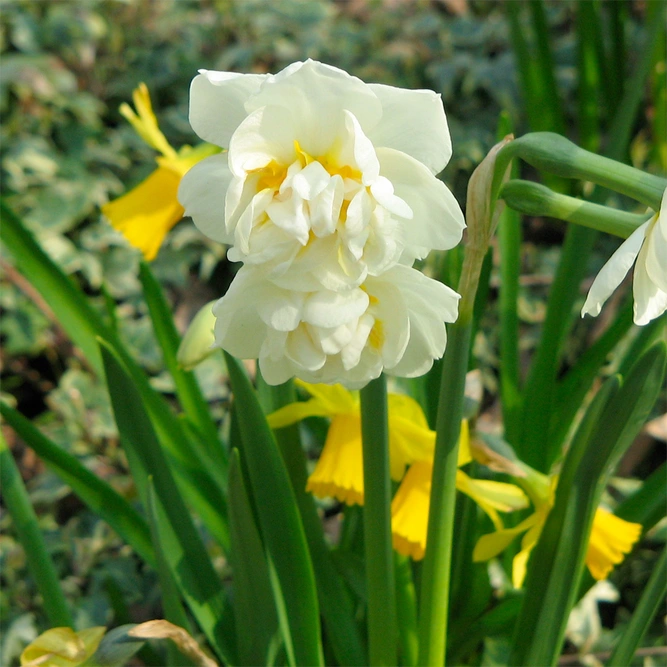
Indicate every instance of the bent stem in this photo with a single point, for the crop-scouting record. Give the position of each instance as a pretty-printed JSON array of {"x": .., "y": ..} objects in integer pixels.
[
  {"x": 382, "y": 629},
  {"x": 437, "y": 561}
]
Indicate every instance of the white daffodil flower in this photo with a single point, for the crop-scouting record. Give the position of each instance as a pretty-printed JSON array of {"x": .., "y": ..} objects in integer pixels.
[
  {"x": 327, "y": 179},
  {"x": 648, "y": 246},
  {"x": 394, "y": 322}
]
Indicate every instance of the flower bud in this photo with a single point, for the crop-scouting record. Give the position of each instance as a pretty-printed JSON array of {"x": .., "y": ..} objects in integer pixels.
[{"x": 197, "y": 344}]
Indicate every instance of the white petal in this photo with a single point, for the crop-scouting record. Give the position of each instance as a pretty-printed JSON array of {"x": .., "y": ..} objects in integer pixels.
[
  {"x": 217, "y": 103},
  {"x": 311, "y": 181},
  {"x": 351, "y": 353},
  {"x": 650, "y": 299},
  {"x": 316, "y": 95},
  {"x": 202, "y": 195},
  {"x": 437, "y": 222},
  {"x": 332, "y": 309},
  {"x": 383, "y": 191},
  {"x": 414, "y": 122},
  {"x": 325, "y": 209},
  {"x": 656, "y": 251},
  {"x": 301, "y": 350},
  {"x": 612, "y": 273},
  {"x": 292, "y": 217},
  {"x": 357, "y": 150},
  {"x": 280, "y": 309},
  {"x": 265, "y": 136}
]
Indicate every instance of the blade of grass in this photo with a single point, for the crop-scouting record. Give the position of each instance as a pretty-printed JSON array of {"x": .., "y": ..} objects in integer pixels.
[
  {"x": 612, "y": 421},
  {"x": 189, "y": 563},
  {"x": 652, "y": 599},
  {"x": 99, "y": 496},
  {"x": 588, "y": 75},
  {"x": 187, "y": 388},
  {"x": 30, "y": 536},
  {"x": 254, "y": 608},
  {"x": 647, "y": 504},
  {"x": 406, "y": 611},
  {"x": 380, "y": 581},
  {"x": 280, "y": 525}
]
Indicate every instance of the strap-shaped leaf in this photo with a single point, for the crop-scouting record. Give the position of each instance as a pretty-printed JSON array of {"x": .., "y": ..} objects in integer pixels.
[
  {"x": 280, "y": 526},
  {"x": 180, "y": 542}
]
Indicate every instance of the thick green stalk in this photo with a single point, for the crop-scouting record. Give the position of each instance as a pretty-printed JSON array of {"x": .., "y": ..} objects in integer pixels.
[
  {"x": 406, "y": 610},
  {"x": 651, "y": 600},
  {"x": 382, "y": 628},
  {"x": 27, "y": 527},
  {"x": 437, "y": 562}
]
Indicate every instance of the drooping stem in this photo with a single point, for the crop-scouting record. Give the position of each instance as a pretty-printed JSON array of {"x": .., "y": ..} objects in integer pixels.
[{"x": 381, "y": 593}]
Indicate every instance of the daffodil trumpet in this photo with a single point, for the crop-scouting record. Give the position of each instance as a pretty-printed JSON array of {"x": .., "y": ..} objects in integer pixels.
[{"x": 146, "y": 213}]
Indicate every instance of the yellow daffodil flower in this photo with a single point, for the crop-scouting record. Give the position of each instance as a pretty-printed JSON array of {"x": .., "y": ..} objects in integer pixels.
[
  {"x": 62, "y": 647},
  {"x": 611, "y": 537},
  {"x": 339, "y": 471},
  {"x": 145, "y": 214}
]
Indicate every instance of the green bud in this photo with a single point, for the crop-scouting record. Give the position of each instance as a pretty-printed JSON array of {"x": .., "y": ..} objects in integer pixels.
[
  {"x": 197, "y": 344},
  {"x": 557, "y": 155},
  {"x": 535, "y": 199}
]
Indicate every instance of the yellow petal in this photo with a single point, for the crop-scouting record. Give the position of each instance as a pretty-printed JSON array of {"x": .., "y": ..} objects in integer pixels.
[
  {"x": 519, "y": 566},
  {"x": 409, "y": 511},
  {"x": 145, "y": 214},
  {"x": 492, "y": 496},
  {"x": 334, "y": 398},
  {"x": 339, "y": 472},
  {"x": 492, "y": 544},
  {"x": 295, "y": 412},
  {"x": 144, "y": 121},
  {"x": 611, "y": 538},
  {"x": 62, "y": 647}
]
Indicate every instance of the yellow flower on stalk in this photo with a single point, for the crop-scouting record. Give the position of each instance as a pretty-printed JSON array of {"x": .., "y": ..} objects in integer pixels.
[
  {"x": 62, "y": 647},
  {"x": 146, "y": 213},
  {"x": 611, "y": 537},
  {"x": 339, "y": 471}
]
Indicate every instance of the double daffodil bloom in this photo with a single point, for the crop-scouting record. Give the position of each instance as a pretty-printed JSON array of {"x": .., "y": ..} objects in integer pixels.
[
  {"x": 611, "y": 537},
  {"x": 146, "y": 213},
  {"x": 339, "y": 471},
  {"x": 62, "y": 647}
]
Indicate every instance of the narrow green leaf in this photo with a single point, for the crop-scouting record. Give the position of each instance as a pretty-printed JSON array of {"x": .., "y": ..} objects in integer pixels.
[
  {"x": 181, "y": 543},
  {"x": 99, "y": 496},
  {"x": 280, "y": 525},
  {"x": 406, "y": 611},
  {"x": 187, "y": 388},
  {"x": 612, "y": 421},
  {"x": 647, "y": 504},
  {"x": 336, "y": 605},
  {"x": 254, "y": 608},
  {"x": 25, "y": 521},
  {"x": 651, "y": 601}
]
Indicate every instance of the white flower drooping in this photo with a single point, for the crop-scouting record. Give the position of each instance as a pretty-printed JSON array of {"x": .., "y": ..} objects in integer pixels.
[
  {"x": 648, "y": 246},
  {"x": 328, "y": 195}
]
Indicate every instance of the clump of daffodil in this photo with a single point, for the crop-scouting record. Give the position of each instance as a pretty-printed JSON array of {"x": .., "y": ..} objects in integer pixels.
[
  {"x": 62, "y": 647},
  {"x": 339, "y": 471},
  {"x": 146, "y": 213},
  {"x": 611, "y": 537}
]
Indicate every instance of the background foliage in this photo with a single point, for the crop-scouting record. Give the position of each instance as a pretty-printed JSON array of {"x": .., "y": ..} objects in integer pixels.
[{"x": 65, "y": 151}]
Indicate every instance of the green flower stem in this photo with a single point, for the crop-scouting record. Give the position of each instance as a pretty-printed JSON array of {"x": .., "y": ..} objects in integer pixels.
[
  {"x": 536, "y": 199},
  {"x": 651, "y": 600},
  {"x": 382, "y": 627},
  {"x": 27, "y": 527},
  {"x": 557, "y": 155},
  {"x": 406, "y": 603},
  {"x": 437, "y": 562}
]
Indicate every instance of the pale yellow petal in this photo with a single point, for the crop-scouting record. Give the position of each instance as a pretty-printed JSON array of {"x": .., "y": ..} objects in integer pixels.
[
  {"x": 295, "y": 412},
  {"x": 145, "y": 214},
  {"x": 62, "y": 647},
  {"x": 519, "y": 566},
  {"x": 339, "y": 472},
  {"x": 465, "y": 454},
  {"x": 492, "y": 544},
  {"x": 335, "y": 398}
]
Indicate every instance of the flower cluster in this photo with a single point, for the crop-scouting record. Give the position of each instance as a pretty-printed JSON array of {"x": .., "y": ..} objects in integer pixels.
[
  {"x": 327, "y": 195},
  {"x": 339, "y": 470}
]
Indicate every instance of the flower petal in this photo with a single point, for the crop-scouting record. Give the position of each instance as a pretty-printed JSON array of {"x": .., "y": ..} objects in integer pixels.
[
  {"x": 437, "y": 220},
  {"x": 612, "y": 273},
  {"x": 145, "y": 214},
  {"x": 409, "y": 511},
  {"x": 414, "y": 122},
  {"x": 217, "y": 102},
  {"x": 202, "y": 194}
]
